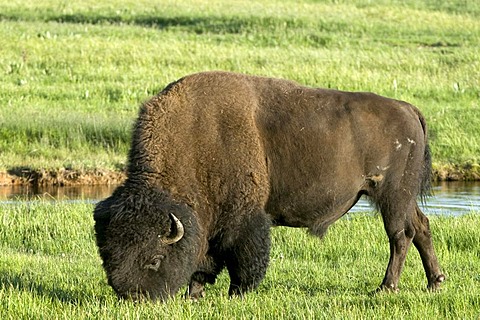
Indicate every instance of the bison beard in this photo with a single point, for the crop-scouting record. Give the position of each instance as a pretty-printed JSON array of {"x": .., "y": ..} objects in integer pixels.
[{"x": 217, "y": 158}]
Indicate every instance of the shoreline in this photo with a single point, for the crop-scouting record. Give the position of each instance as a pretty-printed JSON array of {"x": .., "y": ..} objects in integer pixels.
[
  {"x": 60, "y": 177},
  {"x": 70, "y": 177}
]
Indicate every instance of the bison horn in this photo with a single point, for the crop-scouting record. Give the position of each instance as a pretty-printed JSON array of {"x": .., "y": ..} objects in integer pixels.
[{"x": 177, "y": 231}]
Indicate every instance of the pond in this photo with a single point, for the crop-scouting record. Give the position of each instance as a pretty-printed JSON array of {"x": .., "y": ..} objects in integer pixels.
[{"x": 450, "y": 198}]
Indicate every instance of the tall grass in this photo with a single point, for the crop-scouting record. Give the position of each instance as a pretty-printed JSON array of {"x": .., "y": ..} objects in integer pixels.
[
  {"x": 74, "y": 73},
  {"x": 49, "y": 268}
]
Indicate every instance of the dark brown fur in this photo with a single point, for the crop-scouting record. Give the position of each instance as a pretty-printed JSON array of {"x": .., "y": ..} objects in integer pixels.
[{"x": 232, "y": 154}]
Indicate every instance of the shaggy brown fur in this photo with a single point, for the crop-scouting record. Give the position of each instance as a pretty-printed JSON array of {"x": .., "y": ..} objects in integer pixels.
[{"x": 231, "y": 154}]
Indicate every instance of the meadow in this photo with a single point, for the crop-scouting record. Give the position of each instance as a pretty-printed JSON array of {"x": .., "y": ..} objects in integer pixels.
[
  {"x": 50, "y": 269},
  {"x": 73, "y": 74}
]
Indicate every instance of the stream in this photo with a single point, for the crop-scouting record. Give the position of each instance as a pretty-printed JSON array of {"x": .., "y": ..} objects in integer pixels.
[{"x": 450, "y": 198}]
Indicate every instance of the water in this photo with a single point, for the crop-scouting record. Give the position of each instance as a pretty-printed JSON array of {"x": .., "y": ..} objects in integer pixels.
[{"x": 450, "y": 198}]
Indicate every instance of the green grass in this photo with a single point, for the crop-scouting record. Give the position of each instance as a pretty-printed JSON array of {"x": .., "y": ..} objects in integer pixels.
[
  {"x": 50, "y": 269},
  {"x": 74, "y": 73}
]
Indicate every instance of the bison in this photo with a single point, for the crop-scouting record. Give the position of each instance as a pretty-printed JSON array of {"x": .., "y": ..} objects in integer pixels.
[{"x": 217, "y": 158}]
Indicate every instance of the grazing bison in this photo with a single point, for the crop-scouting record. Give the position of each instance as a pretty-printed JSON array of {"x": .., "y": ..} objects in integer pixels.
[{"x": 218, "y": 158}]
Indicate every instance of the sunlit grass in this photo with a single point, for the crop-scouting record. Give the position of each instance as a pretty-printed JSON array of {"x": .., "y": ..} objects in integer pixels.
[
  {"x": 50, "y": 268},
  {"x": 74, "y": 73}
]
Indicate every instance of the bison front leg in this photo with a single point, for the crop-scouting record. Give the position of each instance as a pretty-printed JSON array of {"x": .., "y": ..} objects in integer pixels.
[
  {"x": 206, "y": 273},
  {"x": 196, "y": 290},
  {"x": 247, "y": 259}
]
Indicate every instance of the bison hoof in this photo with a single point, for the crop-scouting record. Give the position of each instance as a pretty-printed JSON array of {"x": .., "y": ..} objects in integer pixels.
[
  {"x": 435, "y": 284},
  {"x": 387, "y": 289},
  {"x": 195, "y": 291},
  {"x": 197, "y": 296}
]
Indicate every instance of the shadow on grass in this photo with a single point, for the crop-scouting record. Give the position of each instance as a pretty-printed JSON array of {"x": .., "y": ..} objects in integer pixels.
[
  {"x": 211, "y": 24},
  {"x": 21, "y": 283}
]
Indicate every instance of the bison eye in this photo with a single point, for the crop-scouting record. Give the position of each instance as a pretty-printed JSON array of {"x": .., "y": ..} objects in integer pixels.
[{"x": 155, "y": 263}]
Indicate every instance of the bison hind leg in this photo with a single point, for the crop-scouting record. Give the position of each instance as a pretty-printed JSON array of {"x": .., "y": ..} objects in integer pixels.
[{"x": 423, "y": 243}]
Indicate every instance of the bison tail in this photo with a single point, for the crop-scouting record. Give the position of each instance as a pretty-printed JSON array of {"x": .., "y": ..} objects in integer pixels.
[{"x": 426, "y": 174}]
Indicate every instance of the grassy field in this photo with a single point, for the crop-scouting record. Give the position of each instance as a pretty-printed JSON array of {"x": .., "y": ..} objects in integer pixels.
[
  {"x": 74, "y": 73},
  {"x": 50, "y": 269}
]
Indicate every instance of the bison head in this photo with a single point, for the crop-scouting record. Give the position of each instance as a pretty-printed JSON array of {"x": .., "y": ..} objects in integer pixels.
[{"x": 148, "y": 242}]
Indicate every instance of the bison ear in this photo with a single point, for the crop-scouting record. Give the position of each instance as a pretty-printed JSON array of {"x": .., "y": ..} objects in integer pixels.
[
  {"x": 101, "y": 215},
  {"x": 101, "y": 212}
]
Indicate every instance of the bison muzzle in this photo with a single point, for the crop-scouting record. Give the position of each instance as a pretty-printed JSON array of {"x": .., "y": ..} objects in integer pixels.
[{"x": 218, "y": 158}]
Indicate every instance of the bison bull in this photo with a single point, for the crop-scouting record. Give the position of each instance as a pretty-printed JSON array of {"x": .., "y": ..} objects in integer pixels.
[{"x": 218, "y": 158}]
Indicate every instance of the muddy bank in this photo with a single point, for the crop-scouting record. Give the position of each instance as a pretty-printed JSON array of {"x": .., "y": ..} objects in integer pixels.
[
  {"x": 61, "y": 177},
  {"x": 452, "y": 172},
  {"x": 68, "y": 177}
]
